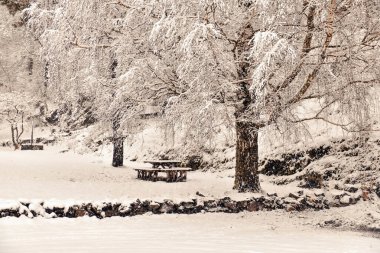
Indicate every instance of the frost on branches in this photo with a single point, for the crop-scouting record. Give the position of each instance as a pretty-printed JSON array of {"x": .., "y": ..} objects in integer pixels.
[
  {"x": 89, "y": 64},
  {"x": 266, "y": 58},
  {"x": 18, "y": 110},
  {"x": 211, "y": 63}
]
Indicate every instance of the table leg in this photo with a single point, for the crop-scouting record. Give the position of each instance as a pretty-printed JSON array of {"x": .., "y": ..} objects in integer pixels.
[
  {"x": 145, "y": 175},
  {"x": 177, "y": 176},
  {"x": 180, "y": 176}
]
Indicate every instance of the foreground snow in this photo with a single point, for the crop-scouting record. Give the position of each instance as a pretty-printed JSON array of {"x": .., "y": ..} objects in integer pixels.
[
  {"x": 250, "y": 232},
  {"x": 63, "y": 178}
]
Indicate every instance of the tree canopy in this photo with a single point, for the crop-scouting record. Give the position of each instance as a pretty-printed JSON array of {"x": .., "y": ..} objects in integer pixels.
[{"x": 243, "y": 63}]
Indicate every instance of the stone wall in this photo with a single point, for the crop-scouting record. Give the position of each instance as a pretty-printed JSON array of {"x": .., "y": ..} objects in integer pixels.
[{"x": 294, "y": 202}]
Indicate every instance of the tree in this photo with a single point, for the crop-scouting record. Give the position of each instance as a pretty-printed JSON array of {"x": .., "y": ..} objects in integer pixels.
[
  {"x": 16, "y": 108},
  {"x": 268, "y": 58},
  {"x": 16, "y": 118},
  {"x": 88, "y": 61},
  {"x": 16, "y": 54}
]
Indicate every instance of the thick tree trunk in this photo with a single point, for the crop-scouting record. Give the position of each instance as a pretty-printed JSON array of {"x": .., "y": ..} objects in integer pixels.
[
  {"x": 246, "y": 174},
  {"x": 247, "y": 158},
  {"x": 118, "y": 152},
  {"x": 247, "y": 146}
]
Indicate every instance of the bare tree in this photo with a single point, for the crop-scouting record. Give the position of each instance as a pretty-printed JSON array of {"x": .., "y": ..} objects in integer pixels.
[
  {"x": 14, "y": 123},
  {"x": 16, "y": 107}
]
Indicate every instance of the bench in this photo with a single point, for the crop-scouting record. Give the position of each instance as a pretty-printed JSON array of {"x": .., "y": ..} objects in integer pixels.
[
  {"x": 174, "y": 174},
  {"x": 32, "y": 147}
]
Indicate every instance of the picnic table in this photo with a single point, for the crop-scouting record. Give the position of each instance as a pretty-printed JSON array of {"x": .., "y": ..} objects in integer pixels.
[
  {"x": 164, "y": 163},
  {"x": 169, "y": 167}
]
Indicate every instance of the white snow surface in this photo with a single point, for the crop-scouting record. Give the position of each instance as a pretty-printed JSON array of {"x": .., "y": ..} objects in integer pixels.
[
  {"x": 53, "y": 176},
  {"x": 244, "y": 233}
]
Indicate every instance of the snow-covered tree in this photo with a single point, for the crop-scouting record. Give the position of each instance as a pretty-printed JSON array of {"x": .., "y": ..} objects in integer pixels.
[
  {"x": 90, "y": 48},
  {"x": 19, "y": 72},
  {"x": 19, "y": 66},
  {"x": 210, "y": 61},
  {"x": 16, "y": 109},
  {"x": 266, "y": 58}
]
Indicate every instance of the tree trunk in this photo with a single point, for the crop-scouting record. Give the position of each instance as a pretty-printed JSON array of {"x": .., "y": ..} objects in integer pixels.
[
  {"x": 13, "y": 137},
  {"x": 247, "y": 158},
  {"x": 31, "y": 137},
  {"x": 247, "y": 146},
  {"x": 246, "y": 169},
  {"x": 118, "y": 152},
  {"x": 118, "y": 142}
]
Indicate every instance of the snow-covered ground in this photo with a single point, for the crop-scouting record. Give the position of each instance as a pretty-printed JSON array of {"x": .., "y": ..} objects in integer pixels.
[
  {"x": 54, "y": 176},
  {"x": 249, "y": 232},
  {"x": 50, "y": 174}
]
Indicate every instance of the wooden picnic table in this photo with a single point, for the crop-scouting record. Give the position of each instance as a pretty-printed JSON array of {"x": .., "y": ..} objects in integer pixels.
[
  {"x": 171, "y": 168},
  {"x": 173, "y": 174},
  {"x": 164, "y": 163}
]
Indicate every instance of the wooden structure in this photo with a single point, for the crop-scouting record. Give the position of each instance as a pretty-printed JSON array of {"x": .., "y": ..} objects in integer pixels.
[
  {"x": 164, "y": 163},
  {"x": 151, "y": 111},
  {"x": 168, "y": 167},
  {"x": 32, "y": 147},
  {"x": 174, "y": 174}
]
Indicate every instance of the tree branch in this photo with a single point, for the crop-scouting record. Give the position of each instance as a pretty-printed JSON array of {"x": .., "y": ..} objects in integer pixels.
[
  {"x": 329, "y": 34},
  {"x": 305, "y": 49}
]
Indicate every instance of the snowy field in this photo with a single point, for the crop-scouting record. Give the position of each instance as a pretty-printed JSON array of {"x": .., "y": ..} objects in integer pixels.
[
  {"x": 50, "y": 174},
  {"x": 58, "y": 177},
  {"x": 243, "y": 233}
]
